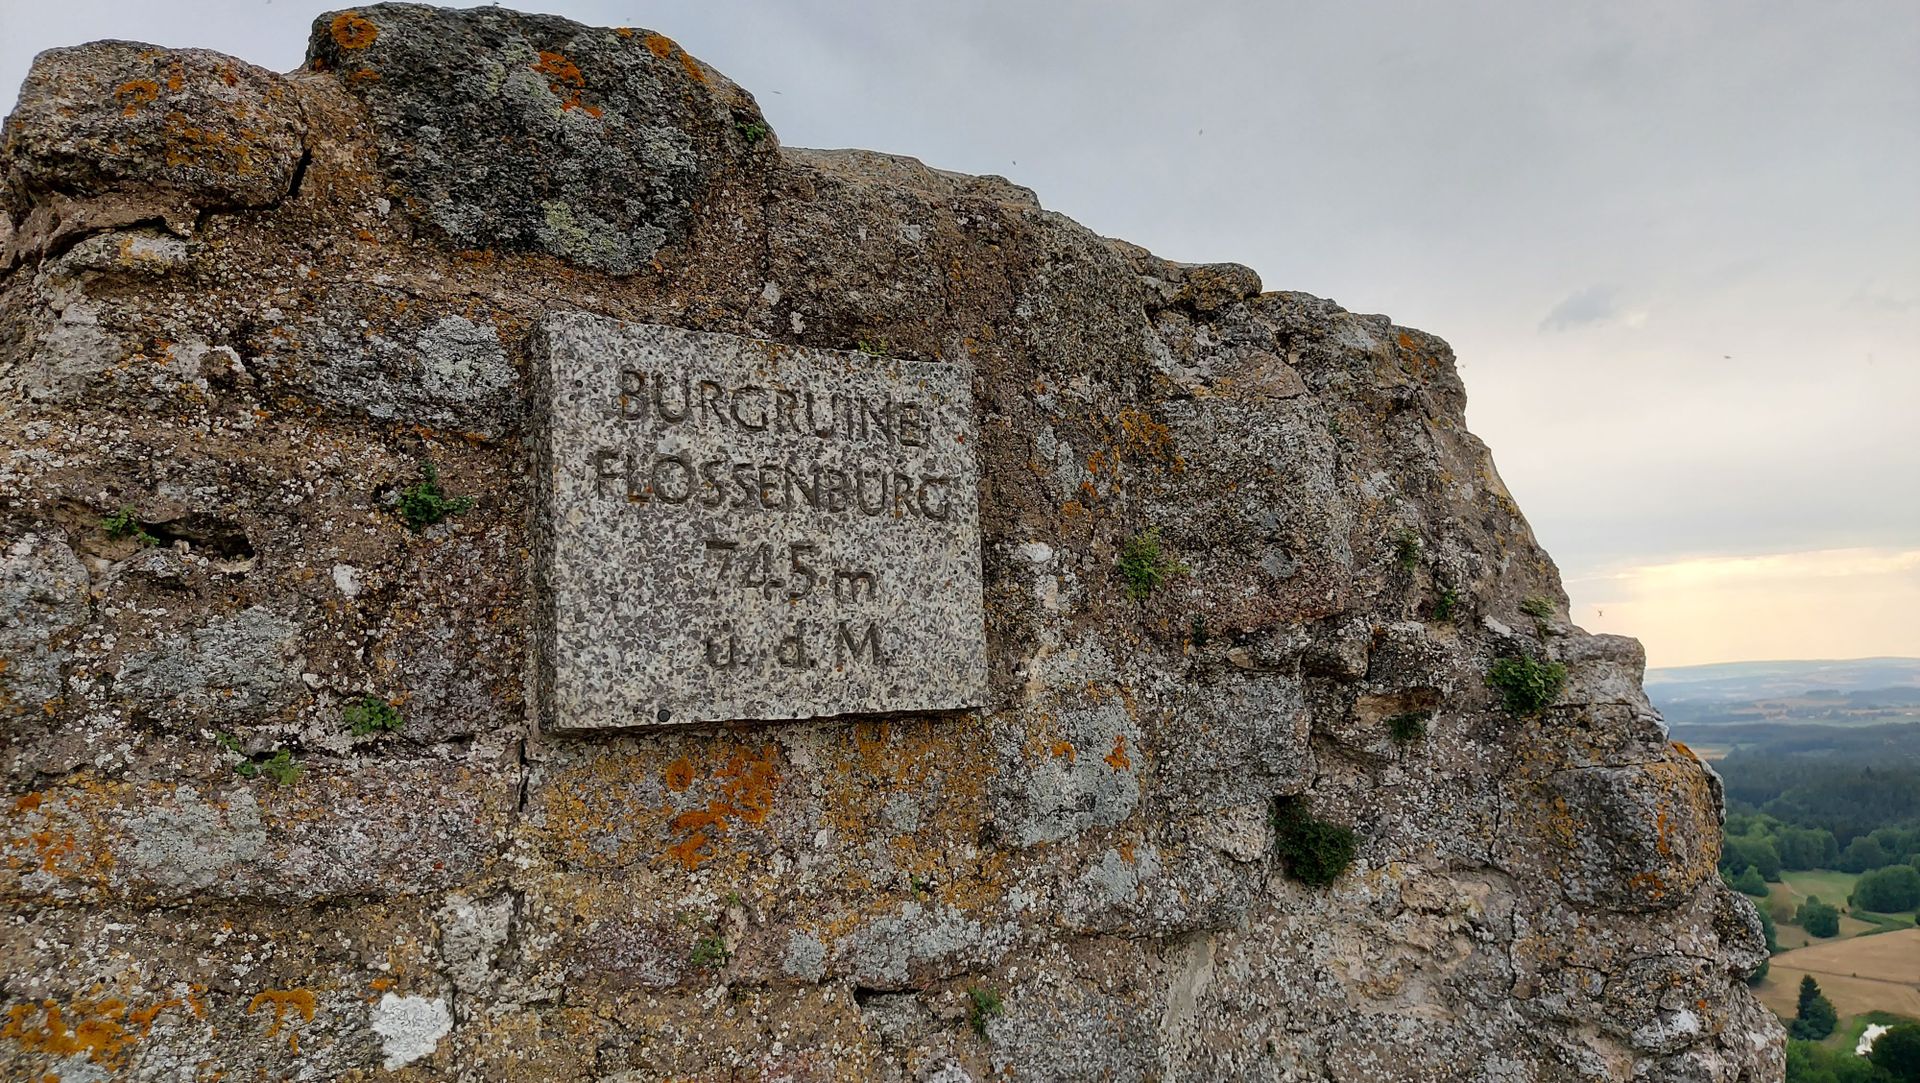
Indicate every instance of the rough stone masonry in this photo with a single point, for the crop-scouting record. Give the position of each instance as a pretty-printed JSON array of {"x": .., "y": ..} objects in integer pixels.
[{"x": 283, "y": 593}]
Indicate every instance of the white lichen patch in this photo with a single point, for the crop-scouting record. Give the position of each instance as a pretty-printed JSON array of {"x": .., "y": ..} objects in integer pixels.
[{"x": 410, "y": 1027}]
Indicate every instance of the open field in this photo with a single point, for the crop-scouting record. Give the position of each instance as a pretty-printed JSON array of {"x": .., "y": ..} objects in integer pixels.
[
  {"x": 1784, "y": 899},
  {"x": 1859, "y": 975}
]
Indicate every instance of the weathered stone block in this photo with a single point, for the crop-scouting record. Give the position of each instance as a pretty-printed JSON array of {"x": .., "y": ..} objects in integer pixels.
[{"x": 737, "y": 529}]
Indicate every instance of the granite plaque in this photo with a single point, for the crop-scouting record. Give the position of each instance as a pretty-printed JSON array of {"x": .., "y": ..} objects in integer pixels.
[{"x": 737, "y": 529}]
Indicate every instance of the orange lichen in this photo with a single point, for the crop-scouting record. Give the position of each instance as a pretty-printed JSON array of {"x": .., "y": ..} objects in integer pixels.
[
  {"x": 1064, "y": 748},
  {"x": 745, "y": 786},
  {"x": 624, "y": 31},
  {"x": 299, "y": 1000},
  {"x": 1144, "y": 435},
  {"x": 1118, "y": 759},
  {"x": 664, "y": 47},
  {"x": 135, "y": 93},
  {"x": 27, "y": 802},
  {"x": 563, "y": 78},
  {"x": 97, "y": 1028},
  {"x": 679, "y": 774},
  {"x": 351, "y": 30}
]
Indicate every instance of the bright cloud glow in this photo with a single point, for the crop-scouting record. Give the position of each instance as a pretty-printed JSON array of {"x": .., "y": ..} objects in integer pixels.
[{"x": 1832, "y": 603}]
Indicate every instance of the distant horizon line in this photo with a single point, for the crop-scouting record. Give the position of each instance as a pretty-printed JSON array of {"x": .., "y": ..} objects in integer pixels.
[{"x": 1794, "y": 661}]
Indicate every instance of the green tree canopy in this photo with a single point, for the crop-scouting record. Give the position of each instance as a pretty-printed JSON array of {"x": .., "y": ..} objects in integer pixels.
[
  {"x": 1893, "y": 889},
  {"x": 1818, "y": 918},
  {"x": 1816, "y": 1017},
  {"x": 1897, "y": 1053},
  {"x": 1862, "y": 854}
]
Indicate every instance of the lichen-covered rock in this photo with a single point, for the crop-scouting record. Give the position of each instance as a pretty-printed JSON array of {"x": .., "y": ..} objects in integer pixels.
[
  {"x": 118, "y": 132},
  {"x": 43, "y": 592},
  {"x": 533, "y": 133},
  {"x": 206, "y": 862}
]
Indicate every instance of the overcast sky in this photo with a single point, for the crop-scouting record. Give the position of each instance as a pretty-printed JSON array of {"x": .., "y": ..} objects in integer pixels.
[{"x": 1676, "y": 245}]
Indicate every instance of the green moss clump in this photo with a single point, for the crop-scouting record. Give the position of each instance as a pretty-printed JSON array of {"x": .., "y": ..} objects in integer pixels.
[
  {"x": 709, "y": 951},
  {"x": 1143, "y": 566},
  {"x": 1526, "y": 685},
  {"x": 125, "y": 524},
  {"x": 1409, "y": 726},
  {"x": 426, "y": 503},
  {"x": 371, "y": 714},
  {"x": 1314, "y": 851},
  {"x": 1537, "y": 607},
  {"x": 281, "y": 767},
  {"x": 753, "y": 132},
  {"x": 1446, "y": 605},
  {"x": 983, "y": 1004},
  {"x": 1406, "y": 550}
]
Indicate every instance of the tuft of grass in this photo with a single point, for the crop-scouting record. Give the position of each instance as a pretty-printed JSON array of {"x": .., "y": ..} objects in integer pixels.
[
  {"x": 1446, "y": 605},
  {"x": 984, "y": 1004},
  {"x": 709, "y": 951},
  {"x": 1314, "y": 851},
  {"x": 1526, "y": 684},
  {"x": 371, "y": 714},
  {"x": 1406, "y": 549},
  {"x": 872, "y": 348},
  {"x": 752, "y": 131},
  {"x": 1409, "y": 726},
  {"x": 281, "y": 767},
  {"x": 125, "y": 524},
  {"x": 1537, "y": 607},
  {"x": 426, "y": 503},
  {"x": 1144, "y": 567}
]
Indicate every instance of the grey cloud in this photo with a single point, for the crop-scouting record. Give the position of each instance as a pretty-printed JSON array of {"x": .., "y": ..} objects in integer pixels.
[{"x": 1594, "y": 304}]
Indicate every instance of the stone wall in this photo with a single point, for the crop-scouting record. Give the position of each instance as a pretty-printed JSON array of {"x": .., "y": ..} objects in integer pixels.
[{"x": 239, "y": 314}]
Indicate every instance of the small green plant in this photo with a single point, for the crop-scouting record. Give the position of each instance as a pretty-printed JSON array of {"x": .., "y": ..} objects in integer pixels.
[
  {"x": 983, "y": 1004},
  {"x": 874, "y": 348},
  {"x": 1526, "y": 684},
  {"x": 1406, "y": 550},
  {"x": 281, "y": 767},
  {"x": 1144, "y": 566},
  {"x": 1199, "y": 634},
  {"x": 1314, "y": 851},
  {"x": 371, "y": 714},
  {"x": 1446, "y": 605},
  {"x": 1409, "y": 725},
  {"x": 752, "y": 131},
  {"x": 426, "y": 503},
  {"x": 1537, "y": 607},
  {"x": 125, "y": 524},
  {"x": 709, "y": 951}
]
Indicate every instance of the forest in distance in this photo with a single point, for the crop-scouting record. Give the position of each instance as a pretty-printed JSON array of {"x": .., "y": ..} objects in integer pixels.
[{"x": 1821, "y": 764}]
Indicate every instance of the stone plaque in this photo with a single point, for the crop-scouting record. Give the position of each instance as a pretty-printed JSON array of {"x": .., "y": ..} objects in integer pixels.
[{"x": 738, "y": 529}]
